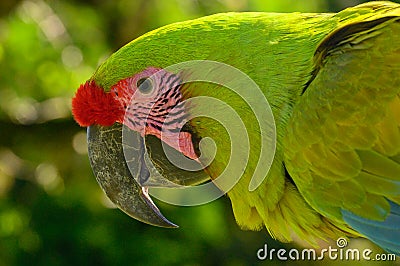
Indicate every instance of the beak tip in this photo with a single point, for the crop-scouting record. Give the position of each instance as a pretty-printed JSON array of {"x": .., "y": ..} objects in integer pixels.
[
  {"x": 154, "y": 217},
  {"x": 159, "y": 221}
]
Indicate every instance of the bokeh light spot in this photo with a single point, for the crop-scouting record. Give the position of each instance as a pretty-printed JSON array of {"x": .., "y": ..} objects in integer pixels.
[{"x": 79, "y": 143}]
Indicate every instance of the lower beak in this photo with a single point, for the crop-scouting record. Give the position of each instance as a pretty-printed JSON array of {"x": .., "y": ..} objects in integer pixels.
[{"x": 108, "y": 162}]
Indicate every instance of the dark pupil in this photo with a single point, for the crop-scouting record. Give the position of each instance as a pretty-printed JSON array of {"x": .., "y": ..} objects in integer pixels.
[{"x": 144, "y": 85}]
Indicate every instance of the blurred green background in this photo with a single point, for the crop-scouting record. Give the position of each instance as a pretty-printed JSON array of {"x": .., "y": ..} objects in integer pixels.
[{"x": 52, "y": 212}]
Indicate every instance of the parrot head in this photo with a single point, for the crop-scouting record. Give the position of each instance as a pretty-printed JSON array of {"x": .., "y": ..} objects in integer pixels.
[
  {"x": 149, "y": 105},
  {"x": 142, "y": 102}
]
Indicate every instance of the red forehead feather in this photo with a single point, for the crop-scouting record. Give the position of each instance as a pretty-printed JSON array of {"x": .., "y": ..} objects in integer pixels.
[{"x": 92, "y": 105}]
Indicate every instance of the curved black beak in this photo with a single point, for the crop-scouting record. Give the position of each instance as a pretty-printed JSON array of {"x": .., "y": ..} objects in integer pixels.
[{"x": 107, "y": 159}]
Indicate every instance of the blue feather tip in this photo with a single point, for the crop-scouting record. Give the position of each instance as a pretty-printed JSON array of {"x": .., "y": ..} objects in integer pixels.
[{"x": 385, "y": 234}]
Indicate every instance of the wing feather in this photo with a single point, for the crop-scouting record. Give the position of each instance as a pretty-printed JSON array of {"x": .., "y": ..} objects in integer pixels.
[{"x": 342, "y": 145}]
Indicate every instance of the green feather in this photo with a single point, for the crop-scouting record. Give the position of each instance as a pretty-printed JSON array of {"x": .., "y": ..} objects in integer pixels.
[
  {"x": 332, "y": 138},
  {"x": 355, "y": 92}
]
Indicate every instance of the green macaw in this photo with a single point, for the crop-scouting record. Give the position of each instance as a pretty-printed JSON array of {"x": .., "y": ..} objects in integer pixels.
[{"x": 333, "y": 84}]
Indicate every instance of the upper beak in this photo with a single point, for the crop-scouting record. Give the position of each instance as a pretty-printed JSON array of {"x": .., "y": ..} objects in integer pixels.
[
  {"x": 108, "y": 162},
  {"x": 125, "y": 169}
]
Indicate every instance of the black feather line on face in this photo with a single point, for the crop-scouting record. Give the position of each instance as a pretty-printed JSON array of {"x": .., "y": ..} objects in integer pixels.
[{"x": 187, "y": 127}]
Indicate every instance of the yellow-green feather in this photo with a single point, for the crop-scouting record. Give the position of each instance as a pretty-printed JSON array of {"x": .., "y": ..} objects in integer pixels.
[
  {"x": 352, "y": 106},
  {"x": 320, "y": 146}
]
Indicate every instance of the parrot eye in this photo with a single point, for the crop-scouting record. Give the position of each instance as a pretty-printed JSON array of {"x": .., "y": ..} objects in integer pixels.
[{"x": 144, "y": 85}]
